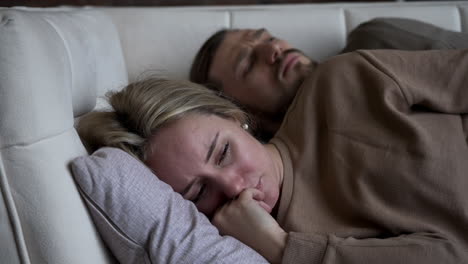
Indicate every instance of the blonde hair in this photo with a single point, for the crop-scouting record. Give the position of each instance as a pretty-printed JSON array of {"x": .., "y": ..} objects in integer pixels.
[{"x": 142, "y": 107}]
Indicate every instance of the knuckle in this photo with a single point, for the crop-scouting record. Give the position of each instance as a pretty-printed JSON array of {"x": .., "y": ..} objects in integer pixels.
[{"x": 217, "y": 219}]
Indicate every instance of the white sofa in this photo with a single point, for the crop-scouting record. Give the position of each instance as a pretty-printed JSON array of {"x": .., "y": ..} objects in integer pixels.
[{"x": 55, "y": 63}]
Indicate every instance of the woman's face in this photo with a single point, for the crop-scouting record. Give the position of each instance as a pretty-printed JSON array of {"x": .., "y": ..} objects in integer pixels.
[{"x": 210, "y": 160}]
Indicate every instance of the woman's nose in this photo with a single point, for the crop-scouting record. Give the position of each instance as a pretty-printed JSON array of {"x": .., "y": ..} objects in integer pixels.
[{"x": 231, "y": 184}]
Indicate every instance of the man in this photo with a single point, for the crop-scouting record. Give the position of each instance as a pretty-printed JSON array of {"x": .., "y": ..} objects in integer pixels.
[
  {"x": 257, "y": 70},
  {"x": 263, "y": 73}
]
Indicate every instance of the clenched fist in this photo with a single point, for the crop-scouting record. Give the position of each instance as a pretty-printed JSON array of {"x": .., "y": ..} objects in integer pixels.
[{"x": 245, "y": 219}]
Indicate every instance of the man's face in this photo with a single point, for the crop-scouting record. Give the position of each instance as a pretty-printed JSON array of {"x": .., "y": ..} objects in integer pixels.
[{"x": 258, "y": 70}]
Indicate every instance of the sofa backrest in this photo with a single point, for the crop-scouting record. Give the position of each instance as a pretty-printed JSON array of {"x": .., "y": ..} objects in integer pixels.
[
  {"x": 166, "y": 39},
  {"x": 55, "y": 62},
  {"x": 51, "y": 63}
]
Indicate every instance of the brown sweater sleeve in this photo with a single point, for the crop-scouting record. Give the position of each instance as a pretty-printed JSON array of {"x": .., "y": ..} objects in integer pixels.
[
  {"x": 413, "y": 248},
  {"x": 432, "y": 80}
]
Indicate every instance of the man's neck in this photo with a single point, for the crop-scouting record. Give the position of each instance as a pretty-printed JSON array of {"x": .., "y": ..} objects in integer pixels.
[{"x": 265, "y": 127}]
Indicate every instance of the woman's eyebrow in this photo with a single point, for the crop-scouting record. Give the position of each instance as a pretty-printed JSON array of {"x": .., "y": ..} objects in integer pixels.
[
  {"x": 188, "y": 187},
  {"x": 212, "y": 147},
  {"x": 208, "y": 156}
]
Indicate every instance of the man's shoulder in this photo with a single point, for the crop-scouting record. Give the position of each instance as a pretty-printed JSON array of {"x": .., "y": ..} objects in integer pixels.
[
  {"x": 341, "y": 61},
  {"x": 334, "y": 70},
  {"x": 362, "y": 58},
  {"x": 382, "y": 25},
  {"x": 403, "y": 34},
  {"x": 351, "y": 66}
]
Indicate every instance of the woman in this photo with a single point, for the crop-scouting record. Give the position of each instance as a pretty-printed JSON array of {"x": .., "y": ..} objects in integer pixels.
[
  {"x": 369, "y": 165},
  {"x": 195, "y": 141}
]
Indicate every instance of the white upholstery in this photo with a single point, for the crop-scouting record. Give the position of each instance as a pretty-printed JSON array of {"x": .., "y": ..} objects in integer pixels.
[
  {"x": 300, "y": 27},
  {"x": 54, "y": 62},
  {"x": 163, "y": 40},
  {"x": 51, "y": 65},
  {"x": 318, "y": 29}
]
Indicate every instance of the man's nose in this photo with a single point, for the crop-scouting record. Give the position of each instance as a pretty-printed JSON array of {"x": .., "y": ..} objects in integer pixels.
[{"x": 269, "y": 52}]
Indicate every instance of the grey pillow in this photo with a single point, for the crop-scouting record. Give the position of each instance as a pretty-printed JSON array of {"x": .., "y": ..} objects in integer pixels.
[{"x": 142, "y": 220}]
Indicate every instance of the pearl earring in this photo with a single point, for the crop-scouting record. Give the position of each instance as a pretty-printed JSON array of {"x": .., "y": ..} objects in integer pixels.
[{"x": 245, "y": 126}]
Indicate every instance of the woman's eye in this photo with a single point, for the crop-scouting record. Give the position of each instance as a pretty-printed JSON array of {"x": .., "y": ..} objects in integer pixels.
[
  {"x": 224, "y": 153},
  {"x": 200, "y": 194},
  {"x": 271, "y": 39}
]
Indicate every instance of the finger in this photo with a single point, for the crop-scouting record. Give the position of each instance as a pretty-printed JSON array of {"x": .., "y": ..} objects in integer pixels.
[
  {"x": 264, "y": 206},
  {"x": 258, "y": 195},
  {"x": 220, "y": 216},
  {"x": 222, "y": 207},
  {"x": 252, "y": 194}
]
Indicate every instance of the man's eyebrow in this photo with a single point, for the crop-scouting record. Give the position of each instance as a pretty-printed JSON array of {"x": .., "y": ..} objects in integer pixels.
[
  {"x": 258, "y": 33},
  {"x": 212, "y": 147},
  {"x": 245, "y": 51}
]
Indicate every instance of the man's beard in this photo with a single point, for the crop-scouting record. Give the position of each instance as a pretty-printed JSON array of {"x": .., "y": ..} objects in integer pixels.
[
  {"x": 307, "y": 69},
  {"x": 284, "y": 55}
]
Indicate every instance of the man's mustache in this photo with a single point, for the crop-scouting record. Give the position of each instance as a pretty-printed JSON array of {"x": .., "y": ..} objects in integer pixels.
[
  {"x": 286, "y": 52},
  {"x": 284, "y": 55}
]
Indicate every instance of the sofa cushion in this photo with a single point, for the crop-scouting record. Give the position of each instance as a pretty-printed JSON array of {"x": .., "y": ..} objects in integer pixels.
[
  {"x": 93, "y": 52},
  {"x": 164, "y": 40},
  {"x": 57, "y": 62},
  {"x": 143, "y": 220},
  {"x": 51, "y": 63}
]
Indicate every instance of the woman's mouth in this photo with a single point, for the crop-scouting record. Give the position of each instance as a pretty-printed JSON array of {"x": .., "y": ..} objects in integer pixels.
[
  {"x": 259, "y": 184},
  {"x": 262, "y": 203}
]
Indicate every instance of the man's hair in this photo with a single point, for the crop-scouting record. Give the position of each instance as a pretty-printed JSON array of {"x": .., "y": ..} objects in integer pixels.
[
  {"x": 204, "y": 58},
  {"x": 143, "y": 107}
]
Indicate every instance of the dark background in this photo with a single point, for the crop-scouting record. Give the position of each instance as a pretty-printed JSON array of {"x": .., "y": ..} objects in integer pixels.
[{"x": 49, "y": 3}]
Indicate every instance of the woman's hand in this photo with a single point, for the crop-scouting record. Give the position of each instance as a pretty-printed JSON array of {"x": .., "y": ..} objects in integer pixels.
[{"x": 246, "y": 220}]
